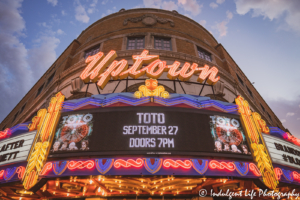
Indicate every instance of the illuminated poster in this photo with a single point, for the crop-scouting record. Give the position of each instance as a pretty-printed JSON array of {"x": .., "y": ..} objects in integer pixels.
[
  {"x": 138, "y": 131},
  {"x": 228, "y": 135},
  {"x": 73, "y": 133}
]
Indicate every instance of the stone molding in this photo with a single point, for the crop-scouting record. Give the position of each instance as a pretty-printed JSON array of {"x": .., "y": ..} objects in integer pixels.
[{"x": 149, "y": 20}]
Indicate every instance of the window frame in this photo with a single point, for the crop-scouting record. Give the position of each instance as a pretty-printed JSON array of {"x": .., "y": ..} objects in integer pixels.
[
  {"x": 90, "y": 50},
  {"x": 240, "y": 79},
  {"x": 135, "y": 42},
  {"x": 269, "y": 116},
  {"x": 162, "y": 39},
  {"x": 52, "y": 77},
  {"x": 263, "y": 108},
  {"x": 249, "y": 91},
  {"x": 39, "y": 91},
  {"x": 206, "y": 53},
  {"x": 22, "y": 109},
  {"x": 15, "y": 116}
]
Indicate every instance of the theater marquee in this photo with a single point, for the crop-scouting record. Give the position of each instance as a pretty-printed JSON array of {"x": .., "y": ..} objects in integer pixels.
[
  {"x": 16, "y": 149},
  {"x": 283, "y": 152}
]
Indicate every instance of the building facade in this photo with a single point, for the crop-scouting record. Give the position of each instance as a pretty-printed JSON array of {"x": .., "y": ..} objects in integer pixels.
[{"x": 186, "y": 118}]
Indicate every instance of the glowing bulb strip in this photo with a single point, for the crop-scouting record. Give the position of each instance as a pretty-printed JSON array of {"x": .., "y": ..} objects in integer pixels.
[
  {"x": 20, "y": 171},
  {"x": 128, "y": 98},
  {"x": 97, "y": 65},
  {"x": 254, "y": 126},
  {"x": 9, "y": 173},
  {"x": 186, "y": 164},
  {"x": 253, "y": 168},
  {"x": 4, "y": 134},
  {"x": 213, "y": 164},
  {"x": 89, "y": 164},
  {"x": 94, "y": 166},
  {"x": 278, "y": 173},
  {"x": 275, "y": 131},
  {"x": 45, "y": 125},
  {"x": 47, "y": 168},
  {"x": 128, "y": 163}
]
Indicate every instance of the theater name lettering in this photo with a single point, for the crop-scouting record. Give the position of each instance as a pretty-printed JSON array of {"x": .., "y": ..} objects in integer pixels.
[{"x": 102, "y": 68}]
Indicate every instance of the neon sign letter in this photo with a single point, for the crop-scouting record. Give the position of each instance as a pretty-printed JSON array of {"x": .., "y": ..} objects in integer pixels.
[{"x": 97, "y": 71}]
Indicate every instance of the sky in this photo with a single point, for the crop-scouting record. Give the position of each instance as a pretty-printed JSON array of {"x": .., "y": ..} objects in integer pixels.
[{"x": 262, "y": 36}]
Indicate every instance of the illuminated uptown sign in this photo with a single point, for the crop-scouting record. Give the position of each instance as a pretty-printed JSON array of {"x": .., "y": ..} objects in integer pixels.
[
  {"x": 97, "y": 71},
  {"x": 16, "y": 149}
]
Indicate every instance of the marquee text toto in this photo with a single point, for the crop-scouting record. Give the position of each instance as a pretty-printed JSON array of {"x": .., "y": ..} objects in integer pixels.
[{"x": 97, "y": 71}]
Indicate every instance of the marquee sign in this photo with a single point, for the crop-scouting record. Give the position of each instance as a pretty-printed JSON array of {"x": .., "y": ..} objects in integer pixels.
[
  {"x": 254, "y": 127},
  {"x": 148, "y": 131},
  {"x": 16, "y": 149},
  {"x": 97, "y": 69},
  {"x": 283, "y": 152}
]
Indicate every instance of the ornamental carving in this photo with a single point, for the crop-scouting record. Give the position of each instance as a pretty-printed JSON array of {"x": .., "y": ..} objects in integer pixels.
[{"x": 149, "y": 20}]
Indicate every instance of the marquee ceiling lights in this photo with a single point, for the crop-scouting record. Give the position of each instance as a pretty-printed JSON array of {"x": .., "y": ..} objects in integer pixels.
[{"x": 97, "y": 64}]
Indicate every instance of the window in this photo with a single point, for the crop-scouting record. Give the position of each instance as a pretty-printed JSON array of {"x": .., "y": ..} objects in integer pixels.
[
  {"x": 204, "y": 54},
  {"x": 269, "y": 116},
  {"x": 136, "y": 43},
  {"x": 240, "y": 80},
  {"x": 22, "y": 108},
  {"x": 39, "y": 90},
  {"x": 162, "y": 43},
  {"x": 15, "y": 116},
  {"x": 249, "y": 91},
  {"x": 91, "y": 51},
  {"x": 50, "y": 78},
  {"x": 5, "y": 127},
  {"x": 262, "y": 108}
]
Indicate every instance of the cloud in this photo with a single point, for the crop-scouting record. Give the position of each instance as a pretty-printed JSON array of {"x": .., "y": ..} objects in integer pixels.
[
  {"x": 289, "y": 11},
  {"x": 80, "y": 13},
  {"x": 298, "y": 118},
  {"x": 169, "y": 5},
  {"x": 220, "y": 1},
  {"x": 202, "y": 22},
  {"x": 152, "y": 3},
  {"x": 53, "y": 2},
  {"x": 213, "y": 5},
  {"x": 282, "y": 108},
  {"x": 20, "y": 67},
  {"x": 229, "y": 14},
  {"x": 290, "y": 114},
  {"x": 14, "y": 75},
  {"x": 104, "y": 2},
  {"x": 92, "y": 8},
  {"x": 221, "y": 27},
  {"x": 190, "y": 6},
  {"x": 63, "y": 13},
  {"x": 43, "y": 54},
  {"x": 283, "y": 120},
  {"x": 60, "y": 32}
]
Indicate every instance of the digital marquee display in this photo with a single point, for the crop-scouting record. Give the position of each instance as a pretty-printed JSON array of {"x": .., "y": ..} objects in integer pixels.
[{"x": 145, "y": 130}]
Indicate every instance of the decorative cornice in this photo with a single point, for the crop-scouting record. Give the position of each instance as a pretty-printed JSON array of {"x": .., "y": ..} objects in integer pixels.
[{"x": 149, "y": 20}]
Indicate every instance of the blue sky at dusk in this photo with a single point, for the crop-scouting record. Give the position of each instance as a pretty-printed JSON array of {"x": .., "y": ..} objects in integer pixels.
[{"x": 262, "y": 36}]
